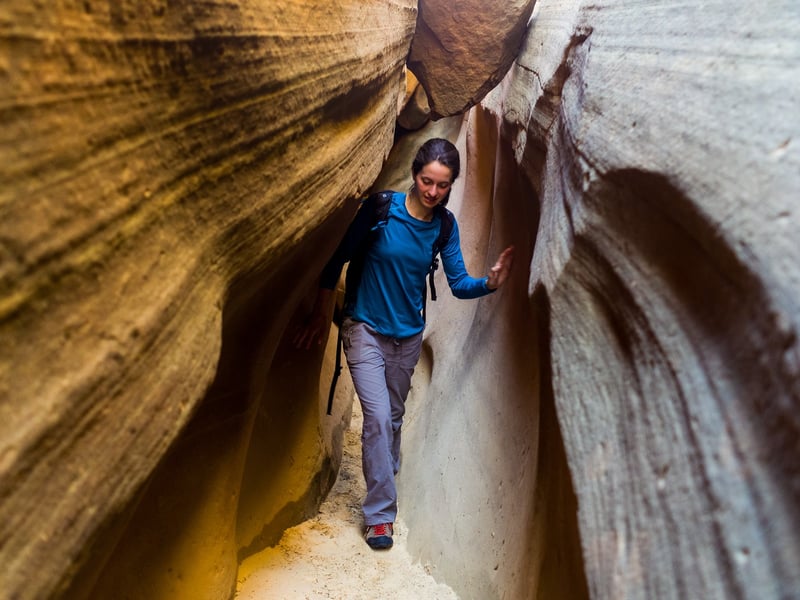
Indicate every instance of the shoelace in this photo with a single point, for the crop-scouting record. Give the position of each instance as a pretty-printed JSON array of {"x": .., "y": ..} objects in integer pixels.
[{"x": 381, "y": 529}]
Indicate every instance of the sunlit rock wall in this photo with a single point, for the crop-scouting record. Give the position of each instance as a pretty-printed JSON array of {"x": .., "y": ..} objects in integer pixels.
[
  {"x": 661, "y": 141},
  {"x": 160, "y": 165}
]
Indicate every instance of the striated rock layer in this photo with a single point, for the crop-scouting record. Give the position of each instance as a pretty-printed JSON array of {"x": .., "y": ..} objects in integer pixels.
[
  {"x": 661, "y": 143},
  {"x": 161, "y": 164}
]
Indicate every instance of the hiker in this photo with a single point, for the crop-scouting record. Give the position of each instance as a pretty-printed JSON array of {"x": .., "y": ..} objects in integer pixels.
[{"x": 383, "y": 315}]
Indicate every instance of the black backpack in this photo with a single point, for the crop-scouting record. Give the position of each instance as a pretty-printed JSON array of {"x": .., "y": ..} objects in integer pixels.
[{"x": 379, "y": 204}]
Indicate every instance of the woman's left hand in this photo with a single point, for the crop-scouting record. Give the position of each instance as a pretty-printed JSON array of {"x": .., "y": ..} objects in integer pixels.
[{"x": 499, "y": 272}]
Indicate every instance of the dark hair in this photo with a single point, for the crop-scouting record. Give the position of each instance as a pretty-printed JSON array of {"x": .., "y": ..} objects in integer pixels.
[{"x": 439, "y": 150}]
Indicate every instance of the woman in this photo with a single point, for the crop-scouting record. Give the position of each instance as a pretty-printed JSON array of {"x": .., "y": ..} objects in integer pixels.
[{"x": 382, "y": 329}]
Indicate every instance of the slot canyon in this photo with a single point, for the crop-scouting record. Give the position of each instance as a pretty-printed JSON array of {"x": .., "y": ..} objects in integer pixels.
[{"x": 620, "y": 421}]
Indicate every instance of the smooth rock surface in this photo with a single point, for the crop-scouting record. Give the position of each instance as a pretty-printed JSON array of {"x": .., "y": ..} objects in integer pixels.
[{"x": 484, "y": 484}]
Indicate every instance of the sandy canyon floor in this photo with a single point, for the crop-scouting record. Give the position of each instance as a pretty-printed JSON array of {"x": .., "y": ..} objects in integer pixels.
[{"x": 326, "y": 558}]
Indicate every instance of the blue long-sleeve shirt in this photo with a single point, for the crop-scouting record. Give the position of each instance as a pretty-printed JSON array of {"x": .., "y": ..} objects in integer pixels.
[{"x": 392, "y": 284}]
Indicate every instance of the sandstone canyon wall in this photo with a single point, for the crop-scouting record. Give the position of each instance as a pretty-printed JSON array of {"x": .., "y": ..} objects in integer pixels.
[
  {"x": 173, "y": 175},
  {"x": 619, "y": 421}
]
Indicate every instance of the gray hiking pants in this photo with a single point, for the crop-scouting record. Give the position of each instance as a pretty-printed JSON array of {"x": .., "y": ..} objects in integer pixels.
[{"x": 381, "y": 368}]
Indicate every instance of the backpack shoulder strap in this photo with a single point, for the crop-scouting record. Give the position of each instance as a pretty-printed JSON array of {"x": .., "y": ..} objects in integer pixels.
[
  {"x": 447, "y": 220},
  {"x": 379, "y": 203},
  {"x": 445, "y": 229}
]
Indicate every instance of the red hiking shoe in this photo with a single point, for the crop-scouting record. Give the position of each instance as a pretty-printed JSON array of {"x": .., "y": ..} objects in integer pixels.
[{"x": 379, "y": 537}]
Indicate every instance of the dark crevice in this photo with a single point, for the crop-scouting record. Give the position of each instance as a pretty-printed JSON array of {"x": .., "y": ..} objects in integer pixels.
[{"x": 562, "y": 571}]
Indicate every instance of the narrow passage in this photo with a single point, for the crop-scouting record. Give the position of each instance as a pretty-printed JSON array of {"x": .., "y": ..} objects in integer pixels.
[{"x": 326, "y": 558}]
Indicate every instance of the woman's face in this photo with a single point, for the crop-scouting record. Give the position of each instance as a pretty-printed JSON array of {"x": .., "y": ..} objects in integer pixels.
[{"x": 433, "y": 183}]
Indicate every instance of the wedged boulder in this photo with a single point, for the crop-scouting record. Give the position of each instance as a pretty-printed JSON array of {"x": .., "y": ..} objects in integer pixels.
[
  {"x": 666, "y": 164},
  {"x": 461, "y": 50},
  {"x": 161, "y": 164}
]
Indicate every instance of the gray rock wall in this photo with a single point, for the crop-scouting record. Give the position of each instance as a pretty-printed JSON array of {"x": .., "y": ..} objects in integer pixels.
[{"x": 662, "y": 144}]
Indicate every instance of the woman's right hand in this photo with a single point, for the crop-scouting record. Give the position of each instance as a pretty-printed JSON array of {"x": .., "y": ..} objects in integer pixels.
[
  {"x": 499, "y": 272},
  {"x": 318, "y": 322},
  {"x": 311, "y": 332}
]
